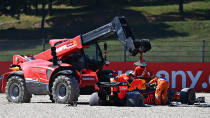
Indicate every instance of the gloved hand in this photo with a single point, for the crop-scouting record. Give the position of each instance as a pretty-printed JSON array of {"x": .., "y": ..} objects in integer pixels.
[
  {"x": 150, "y": 77},
  {"x": 150, "y": 84},
  {"x": 153, "y": 84}
]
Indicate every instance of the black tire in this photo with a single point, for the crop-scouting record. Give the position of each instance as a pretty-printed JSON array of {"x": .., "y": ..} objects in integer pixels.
[
  {"x": 16, "y": 90},
  {"x": 134, "y": 99},
  {"x": 94, "y": 99},
  {"x": 105, "y": 75},
  {"x": 65, "y": 89},
  {"x": 187, "y": 96},
  {"x": 170, "y": 95}
]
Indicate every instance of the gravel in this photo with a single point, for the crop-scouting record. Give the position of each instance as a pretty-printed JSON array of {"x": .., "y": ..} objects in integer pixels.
[{"x": 41, "y": 107}]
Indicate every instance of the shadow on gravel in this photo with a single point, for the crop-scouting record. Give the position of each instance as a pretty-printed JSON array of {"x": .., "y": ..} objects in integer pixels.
[
  {"x": 79, "y": 103},
  {"x": 195, "y": 105},
  {"x": 83, "y": 103},
  {"x": 44, "y": 102},
  {"x": 121, "y": 105}
]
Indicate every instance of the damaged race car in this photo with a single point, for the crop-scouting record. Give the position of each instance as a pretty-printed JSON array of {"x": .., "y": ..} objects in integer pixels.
[{"x": 125, "y": 90}]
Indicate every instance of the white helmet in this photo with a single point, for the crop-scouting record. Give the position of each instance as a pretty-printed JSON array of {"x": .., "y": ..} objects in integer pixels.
[{"x": 138, "y": 63}]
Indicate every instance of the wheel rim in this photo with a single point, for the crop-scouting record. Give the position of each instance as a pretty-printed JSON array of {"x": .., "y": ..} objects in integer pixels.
[
  {"x": 14, "y": 91},
  {"x": 61, "y": 91}
]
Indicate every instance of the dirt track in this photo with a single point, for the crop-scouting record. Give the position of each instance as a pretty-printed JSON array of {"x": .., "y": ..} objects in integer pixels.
[{"x": 41, "y": 107}]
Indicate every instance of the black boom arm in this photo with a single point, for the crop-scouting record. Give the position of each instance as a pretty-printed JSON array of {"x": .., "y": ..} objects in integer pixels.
[{"x": 120, "y": 27}]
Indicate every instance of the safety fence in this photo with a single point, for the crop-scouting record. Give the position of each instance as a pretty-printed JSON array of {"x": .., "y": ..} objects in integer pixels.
[
  {"x": 166, "y": 51},
  {"x": 162, "y": 51},
  {"x": 179, "y": 74}
]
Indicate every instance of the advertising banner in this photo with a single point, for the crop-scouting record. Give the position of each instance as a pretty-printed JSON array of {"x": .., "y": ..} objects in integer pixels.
[
  {"x": 180, "y": 75},
  {"x": 4, "y": 66}
]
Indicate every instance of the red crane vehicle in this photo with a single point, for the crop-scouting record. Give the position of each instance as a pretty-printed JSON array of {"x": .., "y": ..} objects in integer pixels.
[{"x": 69, "y": 67}]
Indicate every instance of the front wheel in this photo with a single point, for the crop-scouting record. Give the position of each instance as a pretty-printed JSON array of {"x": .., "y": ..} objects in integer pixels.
[
  {"x": 94, "y": 99},
  {"x": 65, "y": 89},
  {"x": 16, "y": 90},
  {"x": 134, "y": 99},
  {"x": 187, "y": 96}
]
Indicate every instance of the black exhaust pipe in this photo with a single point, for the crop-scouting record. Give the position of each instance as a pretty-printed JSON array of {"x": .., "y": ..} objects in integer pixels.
[{"x": 55, "y": 58}]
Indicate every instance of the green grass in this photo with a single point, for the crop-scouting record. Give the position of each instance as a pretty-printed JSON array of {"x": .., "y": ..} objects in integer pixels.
[
  {"x": 165, "y": 9},
  {"x": 193, "y": 10},
  {"x": 25, "y": 22},
  {"x": 163, "y": 48},
  {"x": 173, "y": 31},
  {"x": 7, "y": 19},
  {"x": 169, "y": 32}
]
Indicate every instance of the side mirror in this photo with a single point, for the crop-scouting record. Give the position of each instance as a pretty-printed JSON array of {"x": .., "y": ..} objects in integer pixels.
[{"x": 55, "y": 58}]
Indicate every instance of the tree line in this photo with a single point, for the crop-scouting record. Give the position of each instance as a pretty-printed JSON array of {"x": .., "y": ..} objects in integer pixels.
[{"x": 16, "y": 7}]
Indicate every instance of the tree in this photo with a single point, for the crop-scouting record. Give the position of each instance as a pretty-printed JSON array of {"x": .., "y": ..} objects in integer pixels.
[
  {"x": 181, "y": 10},
  {"x": 50, "y": 7},
  {"x": 43, "y": 31},
  {"x": 35, "y": 4}
]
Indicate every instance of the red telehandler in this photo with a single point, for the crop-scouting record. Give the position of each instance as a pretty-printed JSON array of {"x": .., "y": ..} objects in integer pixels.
[{"x": 70, "y": 67}]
